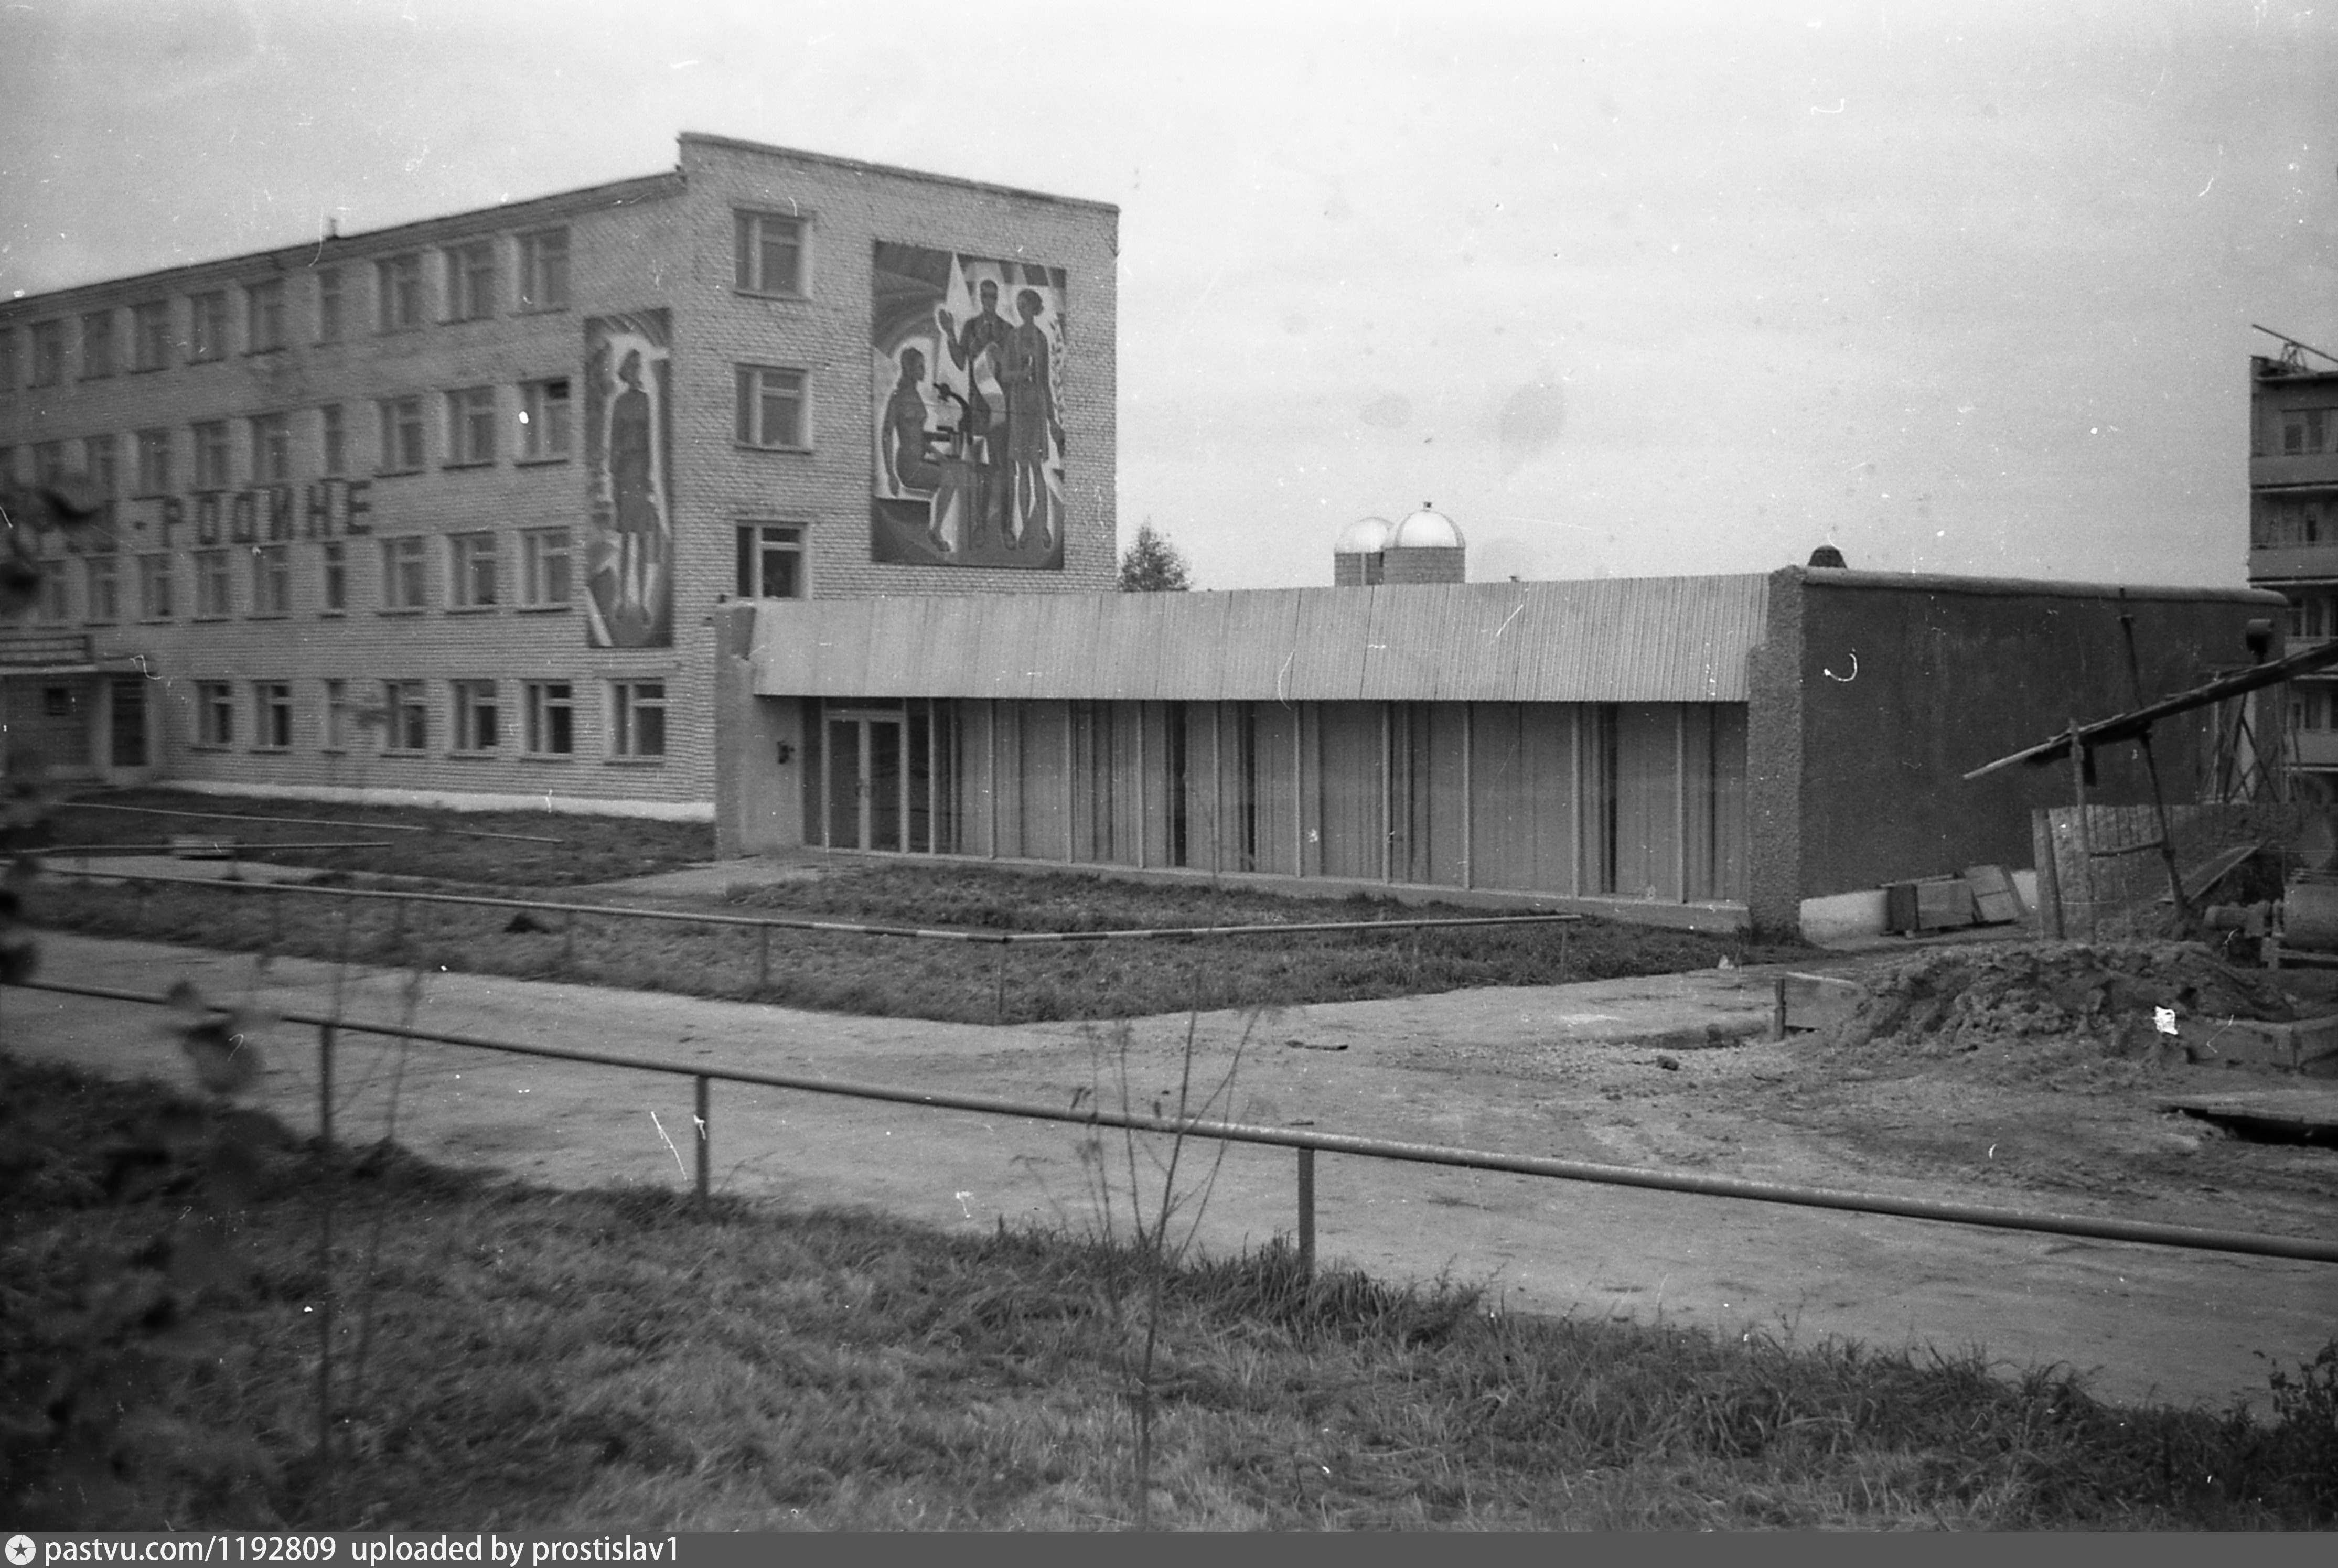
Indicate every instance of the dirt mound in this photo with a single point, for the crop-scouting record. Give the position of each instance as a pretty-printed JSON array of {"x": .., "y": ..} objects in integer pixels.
[{"x": 2101, "y": 994}]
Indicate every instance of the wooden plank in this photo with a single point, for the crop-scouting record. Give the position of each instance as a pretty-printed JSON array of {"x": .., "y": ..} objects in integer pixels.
[
  {"x": 1943, "y": 905},
  {"x": 1995, "y": 900}
]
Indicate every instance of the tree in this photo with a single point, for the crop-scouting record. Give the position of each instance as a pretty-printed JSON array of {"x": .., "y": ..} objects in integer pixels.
[{"x": 1153, "y": 564}]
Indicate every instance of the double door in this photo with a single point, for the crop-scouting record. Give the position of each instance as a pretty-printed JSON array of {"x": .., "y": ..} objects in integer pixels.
[{"x": 867, "y": 786}]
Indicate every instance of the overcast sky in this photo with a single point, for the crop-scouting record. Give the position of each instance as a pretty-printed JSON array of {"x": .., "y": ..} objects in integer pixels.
[{"x": 1633, "y": 288}]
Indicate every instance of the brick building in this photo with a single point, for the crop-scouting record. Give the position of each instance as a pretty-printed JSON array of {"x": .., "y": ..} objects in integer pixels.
[
  {"x": 445, "y": 511},
  {"x": 2293, "y": 536}
]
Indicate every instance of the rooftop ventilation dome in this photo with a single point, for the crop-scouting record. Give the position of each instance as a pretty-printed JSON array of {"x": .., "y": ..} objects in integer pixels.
[
  {"x": 1364, "y": 537},
  {"x": 1425, "y": 530}
]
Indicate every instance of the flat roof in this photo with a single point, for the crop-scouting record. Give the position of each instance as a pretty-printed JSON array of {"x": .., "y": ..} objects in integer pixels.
[{"x": 891, "y": 170}]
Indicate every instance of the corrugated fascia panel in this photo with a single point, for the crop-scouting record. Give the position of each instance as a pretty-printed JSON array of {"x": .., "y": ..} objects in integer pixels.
[{"x": 1626, "y": 639}]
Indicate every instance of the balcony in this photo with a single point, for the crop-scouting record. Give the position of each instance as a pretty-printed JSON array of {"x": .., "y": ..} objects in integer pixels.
[
  {"x": 2310, "y": 468},
  {"x": 42, "y": 648},
  {"x": 2277, "y": 564}
]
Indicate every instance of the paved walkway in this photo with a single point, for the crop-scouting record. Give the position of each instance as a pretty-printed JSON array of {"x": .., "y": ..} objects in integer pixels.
[{"x": 1528, "y": 1070}]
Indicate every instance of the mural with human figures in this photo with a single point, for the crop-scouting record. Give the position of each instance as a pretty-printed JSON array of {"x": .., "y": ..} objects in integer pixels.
[
  {"x": 629, "y": 480},
  {"x": 966, "y": 366}
]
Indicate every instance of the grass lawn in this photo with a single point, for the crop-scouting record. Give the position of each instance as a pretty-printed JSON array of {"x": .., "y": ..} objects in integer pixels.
[
  {"x": 514, "y": 1359},
  {"x": 835, "y": 973}
]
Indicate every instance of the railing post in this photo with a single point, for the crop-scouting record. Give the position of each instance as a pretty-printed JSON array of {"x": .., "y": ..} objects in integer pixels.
[
  {"x": 1778, "y": 1009},
  {"x": 568, "y": 943},
  {"x": 325, "y": 1089},
  {"x": 763, "y": 958},
  {"x": 998, "y": 993},
  {"x": 706, "y": 1139},
  {"x": 1307, "y": 1213}
]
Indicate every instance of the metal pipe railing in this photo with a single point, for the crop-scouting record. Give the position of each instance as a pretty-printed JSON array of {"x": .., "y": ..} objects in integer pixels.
[{"x": 1308, "y": 1144}]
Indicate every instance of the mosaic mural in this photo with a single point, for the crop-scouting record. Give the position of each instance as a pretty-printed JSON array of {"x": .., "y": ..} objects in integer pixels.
[
  {"x": 966, "y": 364},
  {"x": 629, "y": 480}
]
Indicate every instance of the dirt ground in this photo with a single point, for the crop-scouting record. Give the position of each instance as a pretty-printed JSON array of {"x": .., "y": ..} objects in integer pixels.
[{"x": 1666, "y": 1071}]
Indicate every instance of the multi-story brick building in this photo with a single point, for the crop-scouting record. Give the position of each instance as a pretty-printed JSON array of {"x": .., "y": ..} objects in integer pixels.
[
  {"x": 444, "y": 511},
  {"x": 2293, "y": 536}
]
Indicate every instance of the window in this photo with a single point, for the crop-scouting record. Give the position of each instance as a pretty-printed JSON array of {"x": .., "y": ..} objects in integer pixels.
[
  {"x": 211, "y": 455},
  {"x": 475, "y": 716},
  {"x": 337, "y": 715},
  {"x": 470, "y": 426},
  {"x": 333, "y": 438},
  {"x": 771, "y": 407},
  {"x": 637, "y": 717},
  {"x": 551, "y": 719},
  {"x": 403, "y": 584},
  {"x": 406, "y": 714},
  {"x": 471, "y": 282},
  {"x": 543, "y": 561},
  {"x": 150, "y": 334},
  {"x": 55, "y": 604},
  {"x": 471, "y": 572},
  {"x": 214, "y": 713},
  {"x": 263, "y": 316},
  {"x": 154, "y": 582},
  {"x": 97, "y": 345},
  {"x": 543, "y": 270},
  {"x": 334, "y": 591},
  {"x": 329, "y": 306},
  {"x": 544, "y": 420},
  {"x": 153, "y": 462},
  {"x": 207, "y": 325},
  {"x": 7, "y": 359},
  {"x": 271, "y": 448},
  {"x": 771, "y": 253},
  {"x": 97, "y": 460},
  {"x": 48, "y": 353},
  {"x": 48, "y": 463},
  {"x": 214, "y": 591},
  {"x": 271, "y": 580},
  {"x": 401, "y": 435},
  {"x": 104, "y": 584},
  {"x": 398, "y": 281},
  {"x": 7, "y": 464},
  {"x": 56, "y": 702},
  {"x": 272, "y": 715},
  {"x": 2302, "y": 430},
  {"x": 771, "y": 561}
]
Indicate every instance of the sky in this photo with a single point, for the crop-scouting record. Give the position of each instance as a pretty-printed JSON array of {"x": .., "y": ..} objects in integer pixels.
[{"x": 1623, "y": 288}]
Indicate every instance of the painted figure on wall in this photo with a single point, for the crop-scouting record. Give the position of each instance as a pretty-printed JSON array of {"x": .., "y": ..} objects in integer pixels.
[
  {"x": 628, "y": 451},
  {"x": 969, "y": 435}
]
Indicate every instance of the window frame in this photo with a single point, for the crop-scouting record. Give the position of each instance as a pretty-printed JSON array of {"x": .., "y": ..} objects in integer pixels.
[
  {"x": 756, "y": 543},
  {"x": 531, "y": 295},
  {"x": 630, "y": 704},
  {"x": 333, "y": 440},
  {"x": 214, "y": 460},
  {"x": 272, "y": 715},
  {"x": 264, "y": 316},
  {"x": 335, "y": 716},
  {"x": 101, "y": 460},
  {"x": 538, "y": 547},
  {"x": 544, "y": 713},
  {"x": 102, "y": 588},
  {"x": 214, "y": 584},
  {"x": 401, "y": 418},
  {"x": 400, "y": 552},
  {"x": 271, "y": 582},
  {"x": 402, "y": 700},
  {"x": 332, "y": 577},
  {"x": 207, "y": 327},
  {"x": 398, "y": 293},
  {"x": 53, "y": 604},
  {"x": 753, "y": 403},
  {"x": 537, "y": 423},
  {"x": 749, "y": 253},
  {"x": 158, "y": 583},
  {"x": 473, "y": 697},
  {"x": 470, "y": 278},
  {"x": 96, "y": 347},
  {"x": 332, "y": 305},
  {"x": 153, "y": 462},
  {"x": 474, "y": 561},
  {"x": 47, "y": 368},
  {"x": 214, "y": 715},
  {"x": 149, "y": 336},
  {"x": 470, "y": 427},
  {"x": 271, "y": 436}
]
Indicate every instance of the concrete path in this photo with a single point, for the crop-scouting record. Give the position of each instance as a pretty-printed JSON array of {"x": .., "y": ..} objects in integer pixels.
[{"x": 1526, "y": 1070}]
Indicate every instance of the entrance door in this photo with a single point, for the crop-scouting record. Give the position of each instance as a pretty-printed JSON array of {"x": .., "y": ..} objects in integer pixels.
[
  {"x": 865, "y": 781},
  {"x": 127, "y": 732}
]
